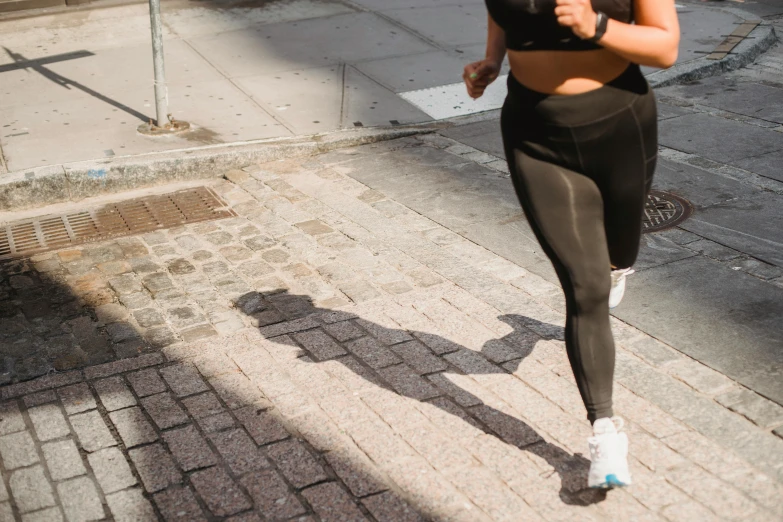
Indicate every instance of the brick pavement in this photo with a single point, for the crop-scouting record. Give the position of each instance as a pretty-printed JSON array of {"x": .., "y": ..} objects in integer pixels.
[{"x": 332, "y": 355}]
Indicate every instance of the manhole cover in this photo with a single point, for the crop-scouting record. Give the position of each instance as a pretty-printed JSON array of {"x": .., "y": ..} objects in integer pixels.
[
  {"x": 131, "y": 217},
  {"x": 664, "y": 210}
]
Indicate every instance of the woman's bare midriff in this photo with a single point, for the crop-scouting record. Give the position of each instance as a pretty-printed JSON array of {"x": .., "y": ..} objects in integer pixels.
[{"x": 565, "y": 72}]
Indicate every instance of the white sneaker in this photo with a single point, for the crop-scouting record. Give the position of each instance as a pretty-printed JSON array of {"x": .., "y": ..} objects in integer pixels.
[
  {"x": 608, "y": 455},
  {"x": 618, "y": 285}
]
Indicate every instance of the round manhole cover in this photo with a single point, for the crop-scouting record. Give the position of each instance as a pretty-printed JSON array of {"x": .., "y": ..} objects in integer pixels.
[{"x": 664, "y": 210}]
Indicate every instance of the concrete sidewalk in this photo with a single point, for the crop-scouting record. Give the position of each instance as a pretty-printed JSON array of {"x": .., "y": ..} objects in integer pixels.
[{"x": 76, "y": 84}]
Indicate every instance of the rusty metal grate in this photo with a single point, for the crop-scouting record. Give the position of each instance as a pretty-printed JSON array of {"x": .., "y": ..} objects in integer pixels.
[
  {"x": 127, "y": 218},
  {"x": 664, "y": 210}
]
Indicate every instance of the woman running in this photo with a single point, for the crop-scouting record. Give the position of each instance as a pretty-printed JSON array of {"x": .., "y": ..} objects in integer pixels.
[{"x": 580, "y": 134}]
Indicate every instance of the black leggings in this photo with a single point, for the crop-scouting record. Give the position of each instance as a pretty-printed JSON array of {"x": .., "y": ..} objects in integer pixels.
[{"x": 582, "y": 166}]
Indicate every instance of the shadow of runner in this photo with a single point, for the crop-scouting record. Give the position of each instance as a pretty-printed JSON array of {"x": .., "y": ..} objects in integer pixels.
[{"x": 439, "y": 356}]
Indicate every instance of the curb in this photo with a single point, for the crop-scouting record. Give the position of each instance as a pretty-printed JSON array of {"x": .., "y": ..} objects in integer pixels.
[
  {"x": 76, "y": 181},
  {"x": 72, "y": 182}
]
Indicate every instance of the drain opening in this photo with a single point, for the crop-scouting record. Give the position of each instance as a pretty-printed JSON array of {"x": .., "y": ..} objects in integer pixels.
[
  {"x": 126, "y": 218},
  {"x": 664, "y": 210}
]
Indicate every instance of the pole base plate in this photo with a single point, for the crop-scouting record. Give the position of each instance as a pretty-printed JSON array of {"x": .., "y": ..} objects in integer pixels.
[{"x": 175, "y": 127}]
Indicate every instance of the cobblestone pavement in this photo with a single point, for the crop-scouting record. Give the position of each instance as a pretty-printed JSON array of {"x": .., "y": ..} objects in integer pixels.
[{"x": 330, "y": 354}]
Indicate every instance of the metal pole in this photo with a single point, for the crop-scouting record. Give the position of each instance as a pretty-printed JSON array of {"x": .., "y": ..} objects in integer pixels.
[{"x": 161, "y": 93}]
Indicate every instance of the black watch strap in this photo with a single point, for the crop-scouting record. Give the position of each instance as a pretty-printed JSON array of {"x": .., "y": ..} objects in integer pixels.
[{"x": 601, "y": 21}]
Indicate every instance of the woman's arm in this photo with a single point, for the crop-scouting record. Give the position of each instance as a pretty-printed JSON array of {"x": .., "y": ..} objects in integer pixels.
[
  {"x": 653, "y": 40},
  {"x": 478, "y": 75}
]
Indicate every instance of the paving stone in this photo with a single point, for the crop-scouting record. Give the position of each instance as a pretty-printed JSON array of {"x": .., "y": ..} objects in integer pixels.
[
  {"x": 120, "y": 332},
  {"x": 144, "y": 265},
  {"x": 344, "y": 331},
  {"x": 219, "y": 422},
  {"x": 239, "y": 451},
  {"x": 80, "y": 500},
  {"x": 30, "y": 489},
  {"x": 148, "y": 317},
  {"x": 157, "y": 282},
  {"x": 397, "y": 287},
  {"x": 45, "y": 515},
  {"x": 111, "y": 313},
  {"x": 373, "y": 352},
  {"x": 237, "y": 390},
  {"x": 424, "y": 278},
  {"x": 245, "y": 517},
  {"x": 165, "y": 412},
  {"x": 133, "y": 427},
  {"x": 130, "y": 506},
  {"x": 196, "y": 333},
  {"x": 359, "y": 291},
  {"x": 146, "y": 382},
  {"x": 125, "y": 284},
  {"x": 111, "y": 470},
  {"x": 155, "y": 467},
  {"x": 296, "y": 463},
  {"x": 219, "y": 238},
  {"x": 49, "y": 422},
  {"x": 63, "y": 459},
  {"x": 189, "y": 448},
  {"x": 202, "y": 255},
  {"x": 700, "y": 377},
  {"x": 11, "y": 419},
  {"x": 408, "y": 383},
  {"x": 180, "y": 505},
  {"x": 276, "y": 256},
  {"x": 236, "y": 254},
  {"x": 92, "y": 431},
  {"x": 761, "y": 411},
  {"x": 314, "y": 227},
  {"x": 180, "y": 267},
  {"x": 261, "y": 425},
  {"x": 183, "y": 380},
  {"x": 77, "y": 398},
  {"x": 36, "y": 399},
  {"x": 114, "y": 393},
  {"x": 136, "y": 300},
  {"x": 319, "y": 344},
  {"x": 388, "y": 506},
  {"x": 356, "y": 472},
  {"x": 203, "y": 405},
  {"x": 331, "y": 503},
  {"x": 122, "y": 366},
  {"x": 271, "y": 495},
  {"x": 160, "y": 337},
  {"x": 222, "y": 496},
  {"x": 419, "y": 357}
]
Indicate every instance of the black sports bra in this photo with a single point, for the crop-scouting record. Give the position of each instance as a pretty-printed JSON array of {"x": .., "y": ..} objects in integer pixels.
[{"x": 531, "y": 25}]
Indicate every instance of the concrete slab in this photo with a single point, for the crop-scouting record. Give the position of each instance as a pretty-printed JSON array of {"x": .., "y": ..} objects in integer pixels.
[
  {"x": 656, "y": 250},
  {"x": 97, "y": 129},
  {"x": 769, "y": 165},
  {"x": 718, "y": 139},
  {"x": 700, "y": 187},
  {"x": 187, "y": 20},
  {"x": 666, "y": 111},
  {"x": 489, "y": 140},
  {"x": 380, "y": 5},
  {"x": 448, "y": 25},
  {"x": 448, "y": 101},
  {"x": 369, "y": 104},
  {"x": 287, "y": 95},
  {"x": 40, "y": 36},
  {"x": 753, "y": 226},
  {"x": 98, "y": 71},
  {"x": 743, "y": 336},
  {"x": 418, "y": 71},
  {"x": 752, "y": 99},
  {"x": 280, "y": 47}
]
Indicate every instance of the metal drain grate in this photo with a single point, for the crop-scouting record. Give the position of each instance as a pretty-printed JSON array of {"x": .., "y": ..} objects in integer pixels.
[
  {"x": 135, "y": 216},
  {"x": 664, "y": 210}
]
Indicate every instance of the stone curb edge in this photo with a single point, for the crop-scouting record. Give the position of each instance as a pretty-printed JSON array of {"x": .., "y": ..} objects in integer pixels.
[
  {"x": 76, "y": 181},
  {"x": 757, "y": 42}
]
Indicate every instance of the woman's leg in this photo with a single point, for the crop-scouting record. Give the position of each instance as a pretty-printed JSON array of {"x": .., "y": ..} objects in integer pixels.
[{"x": 566, "y": 211}]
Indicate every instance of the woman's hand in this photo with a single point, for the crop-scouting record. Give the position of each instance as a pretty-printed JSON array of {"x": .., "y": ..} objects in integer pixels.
[
  {"x": 578, "y": 15},
  {"x": 478, "y": 75}
]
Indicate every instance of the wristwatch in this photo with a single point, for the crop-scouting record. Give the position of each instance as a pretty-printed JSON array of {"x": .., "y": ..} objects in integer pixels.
[{"x": 601, "y": 20}]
